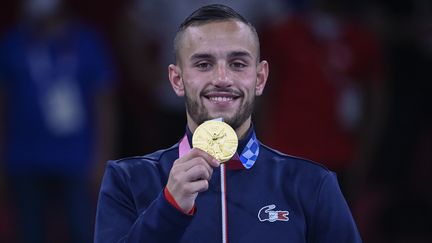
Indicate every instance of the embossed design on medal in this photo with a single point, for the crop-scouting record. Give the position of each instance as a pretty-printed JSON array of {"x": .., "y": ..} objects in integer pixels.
[{"x": 216, "y": 138}]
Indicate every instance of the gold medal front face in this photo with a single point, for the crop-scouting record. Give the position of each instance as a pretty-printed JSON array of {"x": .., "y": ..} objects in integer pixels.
[{"x": 216, "y": 138}]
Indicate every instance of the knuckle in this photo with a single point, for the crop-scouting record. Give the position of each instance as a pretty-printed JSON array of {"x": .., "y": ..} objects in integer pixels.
[
  {"x": 176, "y": 177},
  {"x": 177, "y": 162},
  {"x": 202, "y": 153},
  {"x": 205, "y": 185},
  {"x": 197, "y": 151},
  {"x": 201, "y": 160},
  {"x": 201, "y": 168}
]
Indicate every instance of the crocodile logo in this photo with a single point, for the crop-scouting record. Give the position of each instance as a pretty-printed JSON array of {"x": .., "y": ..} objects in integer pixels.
[{"x": 267, "y": 213}]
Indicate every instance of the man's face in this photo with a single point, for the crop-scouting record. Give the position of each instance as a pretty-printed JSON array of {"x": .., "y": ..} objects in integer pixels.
[{"x": 218, "y": 72}]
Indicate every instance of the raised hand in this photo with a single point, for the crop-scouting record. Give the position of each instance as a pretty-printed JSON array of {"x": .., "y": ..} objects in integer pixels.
[{"x": 189, "y": 176}]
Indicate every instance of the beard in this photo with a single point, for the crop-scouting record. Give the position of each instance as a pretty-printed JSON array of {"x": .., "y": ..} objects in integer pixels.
[{"x": 200, "y": 114}]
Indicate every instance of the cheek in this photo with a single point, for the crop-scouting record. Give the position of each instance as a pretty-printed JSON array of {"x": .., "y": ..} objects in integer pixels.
[
  {"x": 195, "y": 82},
  {"x": 249, "y": 86},
  {"x": 192, "y": 89}
]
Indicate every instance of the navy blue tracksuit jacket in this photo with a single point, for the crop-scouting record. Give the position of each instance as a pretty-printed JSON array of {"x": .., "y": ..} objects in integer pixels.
[{"x": 280, "y": 199}]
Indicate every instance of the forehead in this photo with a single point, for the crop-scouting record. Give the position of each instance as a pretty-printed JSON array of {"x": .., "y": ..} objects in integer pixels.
[{"x": 218, "y": 38}]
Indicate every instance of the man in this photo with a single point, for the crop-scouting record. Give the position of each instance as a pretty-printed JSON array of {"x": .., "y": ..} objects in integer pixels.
[{"x": 173, "y": 195}]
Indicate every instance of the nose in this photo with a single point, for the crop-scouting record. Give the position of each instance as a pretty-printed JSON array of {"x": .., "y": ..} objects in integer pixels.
[{"x": 222, "y": 76}]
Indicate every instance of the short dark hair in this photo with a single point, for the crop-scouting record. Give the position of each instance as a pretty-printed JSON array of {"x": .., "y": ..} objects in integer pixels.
[{"x": 208, "y": 14}]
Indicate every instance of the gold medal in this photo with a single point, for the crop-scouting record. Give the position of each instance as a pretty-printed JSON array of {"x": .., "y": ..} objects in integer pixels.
[{"x": 216, "y": 138}]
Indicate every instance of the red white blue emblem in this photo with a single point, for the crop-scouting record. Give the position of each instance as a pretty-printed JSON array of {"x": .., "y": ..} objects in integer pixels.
[{"x": 267, "y": 213}]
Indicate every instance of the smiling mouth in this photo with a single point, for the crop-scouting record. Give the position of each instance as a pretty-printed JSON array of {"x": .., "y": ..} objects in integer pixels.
[
  {"x": 220, "y": 99},
  {"x": 217, "y": 96}
]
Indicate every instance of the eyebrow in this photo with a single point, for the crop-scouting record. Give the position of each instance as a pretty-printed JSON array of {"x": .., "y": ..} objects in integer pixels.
[
  {"x": 198, "y": 56},
  {"x": 231, "y": 55},
  {"x": 236, "y": 54}
]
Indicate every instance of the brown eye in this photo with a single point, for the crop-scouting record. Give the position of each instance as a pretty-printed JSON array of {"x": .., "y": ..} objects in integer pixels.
[
  {"x": 238, "y": 65},
  {"x": 203, "y": 66}
]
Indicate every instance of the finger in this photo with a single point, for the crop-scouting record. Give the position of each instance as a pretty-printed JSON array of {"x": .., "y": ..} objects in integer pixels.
[
  {"x": 187, "y": 165},
  {"x": 198, "y": 172},
  {"x": 197, "y": 186},
  {"x": 196, "y": 152},
  {"x": 210, "y": 159}
]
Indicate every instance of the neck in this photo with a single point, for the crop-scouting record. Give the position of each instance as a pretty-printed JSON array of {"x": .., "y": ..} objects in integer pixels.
[{"x": 242, "y": 130}]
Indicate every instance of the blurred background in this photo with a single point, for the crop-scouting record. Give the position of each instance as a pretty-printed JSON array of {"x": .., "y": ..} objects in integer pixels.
[{"x": 82, "y": 82}]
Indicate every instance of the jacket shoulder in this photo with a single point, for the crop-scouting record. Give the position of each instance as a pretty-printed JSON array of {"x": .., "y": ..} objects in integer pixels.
[
  {"x": 295, "y": 161},
  {"x": 151, "y": 160}
]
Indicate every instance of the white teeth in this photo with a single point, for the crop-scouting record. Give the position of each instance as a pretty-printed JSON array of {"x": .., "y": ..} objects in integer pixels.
[{"x": 221, "y": 99}]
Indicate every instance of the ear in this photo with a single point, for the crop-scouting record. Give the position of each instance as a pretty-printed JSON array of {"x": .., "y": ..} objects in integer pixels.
[
  {"x": 262, "y": 75},
  {"x": 175, "y": 77}
]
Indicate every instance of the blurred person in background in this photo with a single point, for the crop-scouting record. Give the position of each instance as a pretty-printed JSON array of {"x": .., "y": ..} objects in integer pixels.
[
  {"x": 56, "y": 86},
  {"x": 327, "y": 93}
]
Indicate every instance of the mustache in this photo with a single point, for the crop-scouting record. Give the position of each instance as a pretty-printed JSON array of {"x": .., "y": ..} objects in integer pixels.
[{"x": 222, "y": 90}]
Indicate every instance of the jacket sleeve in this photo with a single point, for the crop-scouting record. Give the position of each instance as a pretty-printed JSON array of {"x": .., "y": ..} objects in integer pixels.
[
  {"x": 118, "y": 220},
  {"x": 333, "y": 221}
]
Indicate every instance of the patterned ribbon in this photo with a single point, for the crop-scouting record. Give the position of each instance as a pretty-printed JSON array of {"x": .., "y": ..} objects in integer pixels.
[{"x": 250, "y": 152}]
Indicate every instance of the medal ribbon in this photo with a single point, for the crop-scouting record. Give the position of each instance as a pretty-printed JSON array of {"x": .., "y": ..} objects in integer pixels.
[
  {"x": 224, "y": 204},
  {"x": 249, "y": 155}
]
